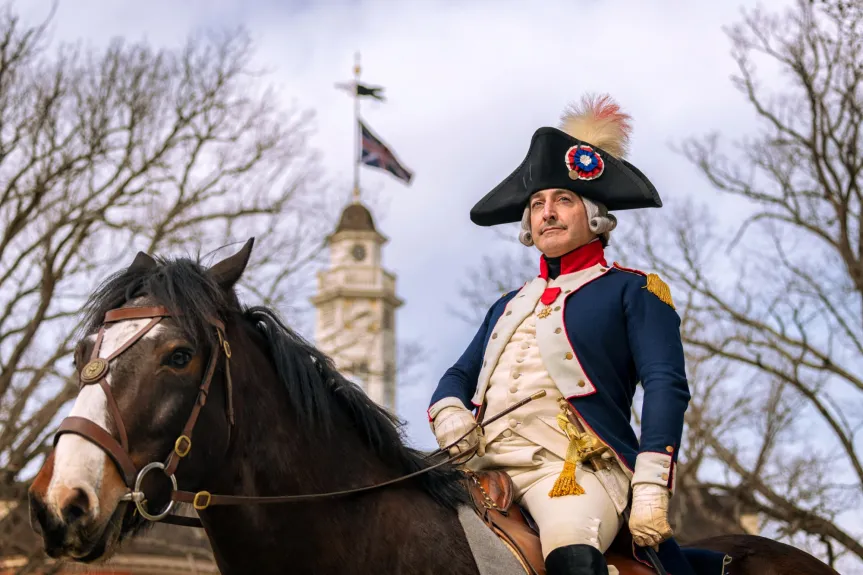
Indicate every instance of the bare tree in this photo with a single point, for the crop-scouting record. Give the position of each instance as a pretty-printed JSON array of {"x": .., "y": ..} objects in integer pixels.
[
  {"x": 772, "y": 310},
  {"x": 103, "y": 153}
]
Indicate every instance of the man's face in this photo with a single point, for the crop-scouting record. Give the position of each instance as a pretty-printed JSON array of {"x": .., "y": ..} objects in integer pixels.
[{"x": 558, "y": 222}]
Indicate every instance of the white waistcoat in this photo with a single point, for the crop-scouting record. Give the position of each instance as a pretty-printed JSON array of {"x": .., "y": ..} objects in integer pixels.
[
  {"x": 520, "y": 373},
  {"x": 558, "y": 358}
]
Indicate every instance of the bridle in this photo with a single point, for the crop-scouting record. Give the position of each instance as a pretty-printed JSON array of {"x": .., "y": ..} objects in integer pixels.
[{"x": 96, "y": 370}]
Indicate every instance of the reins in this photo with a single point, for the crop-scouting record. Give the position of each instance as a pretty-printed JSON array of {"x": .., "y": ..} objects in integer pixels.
[
  {"x": 210, "y": 499},
  {"x": 96, "y": 371}
]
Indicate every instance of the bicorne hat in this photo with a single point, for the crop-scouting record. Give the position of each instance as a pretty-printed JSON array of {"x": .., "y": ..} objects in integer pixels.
[{"x": 584, "y": 156}]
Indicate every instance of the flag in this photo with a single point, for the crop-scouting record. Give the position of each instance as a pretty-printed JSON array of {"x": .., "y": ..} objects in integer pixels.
[
  {"x": 373, "y": 91},
  {"x": 362, "y": 90},
  {"x": 376, "y": 154}
]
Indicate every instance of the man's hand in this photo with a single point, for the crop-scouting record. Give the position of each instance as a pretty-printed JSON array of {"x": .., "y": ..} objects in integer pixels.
[
  {"x": 648, "y": 520},
  {"x": 453, "y": 422}
]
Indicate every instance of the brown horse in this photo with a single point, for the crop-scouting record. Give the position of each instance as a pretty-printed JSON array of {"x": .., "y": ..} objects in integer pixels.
[{"x": 272, "y": 417}]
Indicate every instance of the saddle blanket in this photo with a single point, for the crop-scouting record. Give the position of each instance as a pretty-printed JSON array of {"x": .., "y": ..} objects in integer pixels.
[{"x": 491, "y": 555}]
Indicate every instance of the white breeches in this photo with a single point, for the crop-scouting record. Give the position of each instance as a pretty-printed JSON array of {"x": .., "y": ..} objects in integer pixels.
[{"x": 590, "y": 518}]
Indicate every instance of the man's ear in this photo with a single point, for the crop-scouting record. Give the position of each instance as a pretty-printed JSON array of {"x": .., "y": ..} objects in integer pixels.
[{"x": 229, "y": 270}]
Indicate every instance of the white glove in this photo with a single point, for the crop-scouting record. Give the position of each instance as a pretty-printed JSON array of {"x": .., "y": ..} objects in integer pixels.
[
  {"x": 451, "y": 423},
  {"x": 648, "y": 520}
]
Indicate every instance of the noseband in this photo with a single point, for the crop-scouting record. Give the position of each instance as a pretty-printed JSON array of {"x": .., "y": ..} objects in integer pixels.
[{"x": 95, "y": 371}]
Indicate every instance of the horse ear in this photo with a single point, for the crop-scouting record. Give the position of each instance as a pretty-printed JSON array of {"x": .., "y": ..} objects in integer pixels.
[
  {"x": 228, "y": 271},
  {"x": 142, "y": 263}
]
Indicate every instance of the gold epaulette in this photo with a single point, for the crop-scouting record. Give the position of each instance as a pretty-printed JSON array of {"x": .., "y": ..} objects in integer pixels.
[
  {"x": 660, "y": 289},
  {"x": 654, "y": 285}
]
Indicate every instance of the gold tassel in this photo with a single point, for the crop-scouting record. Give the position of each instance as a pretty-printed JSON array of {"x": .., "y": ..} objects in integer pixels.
[
  {"x": 660, "y": 289},
  {"x": 566, "y": 483}
]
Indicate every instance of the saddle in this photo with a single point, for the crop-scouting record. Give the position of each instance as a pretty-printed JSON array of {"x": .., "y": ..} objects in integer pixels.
[{"x": 492, "y": 496}]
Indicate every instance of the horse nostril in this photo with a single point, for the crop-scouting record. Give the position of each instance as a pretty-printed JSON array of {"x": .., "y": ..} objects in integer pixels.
[{"x": 75, "y": 506}]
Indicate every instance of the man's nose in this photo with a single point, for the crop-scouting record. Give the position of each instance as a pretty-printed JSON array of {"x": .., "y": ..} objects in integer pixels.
[{"x": 548, "y": 212}]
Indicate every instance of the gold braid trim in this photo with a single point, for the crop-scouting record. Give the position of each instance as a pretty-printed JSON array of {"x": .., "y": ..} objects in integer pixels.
[{"x": 659, "y": 288}]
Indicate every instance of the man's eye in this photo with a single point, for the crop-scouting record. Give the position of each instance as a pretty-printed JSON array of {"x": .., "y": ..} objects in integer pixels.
[{"x": 179, "y": 358}]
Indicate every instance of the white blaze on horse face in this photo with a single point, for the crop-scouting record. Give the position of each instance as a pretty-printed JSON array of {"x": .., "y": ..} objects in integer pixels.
[{"x": 78, "y": 463}]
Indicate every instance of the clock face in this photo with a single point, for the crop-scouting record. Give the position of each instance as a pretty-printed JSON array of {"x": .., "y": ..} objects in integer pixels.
[{"x": 359, "y": 252}]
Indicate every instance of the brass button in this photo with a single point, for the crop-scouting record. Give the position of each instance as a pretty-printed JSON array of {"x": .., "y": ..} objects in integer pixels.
[
  {"x": 669, "y": 449},
  {"x": 665, "y": 477},
  {"x": 494, "y": 336},
  {"x": 666, "y": 464},
  {"x": 507, "y": 433},
  {"x": 509, "y": 312},
  {"x": 484, "y": 363},
  {"x": 557, "y": 308},
  {"x": 516, "y": 375},
  {"x": 580, "y": 383},
  {"x": 568, "y": 291},
  {"x": 513, "y": 423},
  {"x": 557, "y": 330},
  {"x": 520, "y": 360},
  {"x": 568, "y": 356},
  {"x": 525, "y": 345},
  {"x": 513, "y": 388}
]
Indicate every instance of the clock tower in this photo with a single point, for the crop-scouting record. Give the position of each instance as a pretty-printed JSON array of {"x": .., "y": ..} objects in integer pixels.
[{"x": 355, "y": 306}]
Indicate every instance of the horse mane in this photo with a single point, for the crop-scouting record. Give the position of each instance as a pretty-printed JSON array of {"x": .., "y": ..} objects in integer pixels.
[
  {"x": 181, "y": 285},
  {"x": 315, "y": 388}
]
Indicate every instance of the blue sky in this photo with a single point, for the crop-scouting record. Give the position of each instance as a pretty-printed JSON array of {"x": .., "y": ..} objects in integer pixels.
[{"x": 467, "y": 83}]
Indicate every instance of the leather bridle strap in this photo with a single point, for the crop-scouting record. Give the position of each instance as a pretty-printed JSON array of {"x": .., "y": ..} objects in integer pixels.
[
  {"x": 184, "y": 443},
  {"x": 96, "y": 371},
  {"x": 89, "y": 430}
]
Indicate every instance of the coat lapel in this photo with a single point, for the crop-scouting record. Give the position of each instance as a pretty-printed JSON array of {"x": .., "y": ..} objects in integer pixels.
[
  {"x": 515, "y": 312},
  {"x": 558, "y": 355}
]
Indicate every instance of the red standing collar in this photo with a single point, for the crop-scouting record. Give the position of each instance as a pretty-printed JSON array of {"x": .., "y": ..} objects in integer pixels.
[{"x": 580, "y": 258}]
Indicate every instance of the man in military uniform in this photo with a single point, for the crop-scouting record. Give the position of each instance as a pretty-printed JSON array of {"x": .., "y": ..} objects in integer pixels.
[{"x": 586, "y": 333}]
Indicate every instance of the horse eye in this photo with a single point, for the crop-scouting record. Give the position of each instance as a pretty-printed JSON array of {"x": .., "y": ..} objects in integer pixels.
[{"x": 179, "y": 358}]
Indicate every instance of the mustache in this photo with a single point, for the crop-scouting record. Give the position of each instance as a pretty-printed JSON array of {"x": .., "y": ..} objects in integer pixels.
[{"x": 551, "y": 224}]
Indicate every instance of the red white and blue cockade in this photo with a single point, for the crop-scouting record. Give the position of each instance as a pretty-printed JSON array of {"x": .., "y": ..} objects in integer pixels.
[{"x": 584, "y": 163}]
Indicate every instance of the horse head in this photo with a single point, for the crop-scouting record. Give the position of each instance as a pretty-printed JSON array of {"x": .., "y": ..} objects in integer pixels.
[{"x": 153, "y": 353}]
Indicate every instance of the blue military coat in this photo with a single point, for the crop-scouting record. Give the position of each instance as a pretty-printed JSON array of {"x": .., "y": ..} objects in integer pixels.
[{"x": 620, "y": 333}]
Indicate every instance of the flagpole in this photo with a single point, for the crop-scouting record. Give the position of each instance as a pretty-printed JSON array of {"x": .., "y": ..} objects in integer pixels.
[{"x": 357, "y": 137}]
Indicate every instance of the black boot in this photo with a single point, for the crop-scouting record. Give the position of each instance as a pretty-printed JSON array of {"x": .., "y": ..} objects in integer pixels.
[{"x": 576, "y": 560}]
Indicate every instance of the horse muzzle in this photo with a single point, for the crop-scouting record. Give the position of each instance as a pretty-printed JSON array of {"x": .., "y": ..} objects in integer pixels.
[{"x": 72, "y": 527}]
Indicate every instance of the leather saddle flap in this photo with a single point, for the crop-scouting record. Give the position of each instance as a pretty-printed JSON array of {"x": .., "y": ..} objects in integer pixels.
[
  {"x": 492, "y": 493},
  {"x": 496, "y": 487}
]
